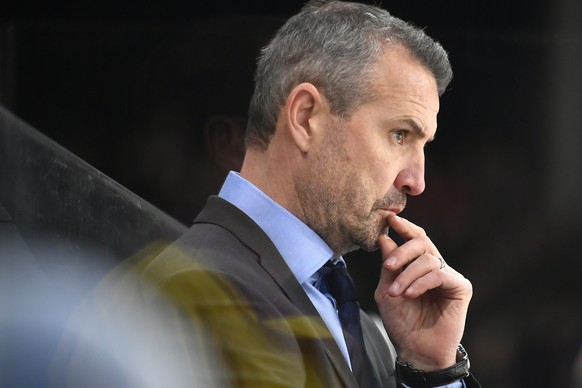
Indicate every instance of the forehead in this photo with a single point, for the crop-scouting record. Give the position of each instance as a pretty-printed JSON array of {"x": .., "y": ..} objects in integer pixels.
[{"x": 399, "y": 79}]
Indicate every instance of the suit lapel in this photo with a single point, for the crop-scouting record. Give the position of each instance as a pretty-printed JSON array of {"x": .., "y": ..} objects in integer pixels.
[{"x": 220, "y": 212}]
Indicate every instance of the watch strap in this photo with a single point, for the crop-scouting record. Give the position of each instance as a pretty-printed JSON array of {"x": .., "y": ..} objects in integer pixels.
[{"x": 415, "y": 378}]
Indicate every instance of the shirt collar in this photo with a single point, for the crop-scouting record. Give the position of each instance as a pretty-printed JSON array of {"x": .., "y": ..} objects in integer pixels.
[{"x": 302, "y": 249}]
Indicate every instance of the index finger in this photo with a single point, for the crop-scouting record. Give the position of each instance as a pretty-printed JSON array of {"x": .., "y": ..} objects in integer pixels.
[{"x": 404, "y": 228}]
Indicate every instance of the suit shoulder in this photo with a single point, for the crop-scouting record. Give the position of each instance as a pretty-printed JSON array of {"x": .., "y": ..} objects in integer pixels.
[{"x": 203, "y": 246}]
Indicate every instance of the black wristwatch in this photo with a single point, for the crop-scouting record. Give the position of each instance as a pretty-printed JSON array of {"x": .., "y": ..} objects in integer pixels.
[{"x": 415, "y": 378}]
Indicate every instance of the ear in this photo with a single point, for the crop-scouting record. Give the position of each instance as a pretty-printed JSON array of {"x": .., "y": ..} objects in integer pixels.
[
  {"x": 225, "y": 137},
  {"x": 304, "y": 107}
]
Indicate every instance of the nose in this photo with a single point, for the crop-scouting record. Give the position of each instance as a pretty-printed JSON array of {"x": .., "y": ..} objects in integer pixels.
[{"x": 410, "y": 180}]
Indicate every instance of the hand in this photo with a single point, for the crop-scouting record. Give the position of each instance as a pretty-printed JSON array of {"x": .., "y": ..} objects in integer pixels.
[{"x": 423, "y": 306}]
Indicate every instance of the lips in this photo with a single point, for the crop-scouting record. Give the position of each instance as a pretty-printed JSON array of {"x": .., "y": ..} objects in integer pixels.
[
  {"x": 393, "y": 202},
  {"x": 395, "y": 210}
]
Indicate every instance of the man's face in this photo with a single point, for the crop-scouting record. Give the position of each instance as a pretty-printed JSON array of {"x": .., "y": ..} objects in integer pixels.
[{"x": 364, "y": 168}]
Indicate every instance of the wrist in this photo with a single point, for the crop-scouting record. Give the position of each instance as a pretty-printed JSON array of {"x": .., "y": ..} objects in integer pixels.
[
  {"x": 409, "y": 375},
  {"x": 429, "y": 364}
]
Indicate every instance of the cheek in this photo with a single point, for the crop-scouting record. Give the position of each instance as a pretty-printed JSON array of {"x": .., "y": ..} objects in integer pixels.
[
  {"x": 382, "y": 172},
  {"x": 371, "y": 163}
]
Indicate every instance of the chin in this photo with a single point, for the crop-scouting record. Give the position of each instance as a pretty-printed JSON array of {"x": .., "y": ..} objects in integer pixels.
[
  {"x": 370, "y": 246},
  {"x": 369, "y": 243},
  {"x": 368, "y": 237}
]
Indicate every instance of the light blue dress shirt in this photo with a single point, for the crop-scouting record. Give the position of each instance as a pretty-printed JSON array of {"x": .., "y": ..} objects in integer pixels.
[{"x": 301, "y": 248}]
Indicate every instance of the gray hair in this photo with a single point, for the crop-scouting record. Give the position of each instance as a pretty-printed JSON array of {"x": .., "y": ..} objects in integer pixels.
[{"x": 333, "y": 45}]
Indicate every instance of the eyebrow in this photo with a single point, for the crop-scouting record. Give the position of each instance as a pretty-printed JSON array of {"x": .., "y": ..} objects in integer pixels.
[{"x": 418, "y": 130}]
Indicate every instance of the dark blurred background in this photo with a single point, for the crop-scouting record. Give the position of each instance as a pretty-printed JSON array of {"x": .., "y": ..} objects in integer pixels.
[{"x": 129, "y": 86}]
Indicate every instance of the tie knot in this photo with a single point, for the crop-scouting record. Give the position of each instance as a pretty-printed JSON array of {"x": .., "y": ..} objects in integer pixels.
[{"x": 339, "y": 284}]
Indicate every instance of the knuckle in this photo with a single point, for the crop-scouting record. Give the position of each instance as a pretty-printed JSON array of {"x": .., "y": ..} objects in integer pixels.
[{"x": 469, "y": 286}]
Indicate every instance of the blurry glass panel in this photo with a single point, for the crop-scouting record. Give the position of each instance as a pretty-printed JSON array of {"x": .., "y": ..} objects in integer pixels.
[{"x": 63, "y": 226}]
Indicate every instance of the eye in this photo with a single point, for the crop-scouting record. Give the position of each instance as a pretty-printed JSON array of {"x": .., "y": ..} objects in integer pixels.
[{"x": 399, "y": 136}]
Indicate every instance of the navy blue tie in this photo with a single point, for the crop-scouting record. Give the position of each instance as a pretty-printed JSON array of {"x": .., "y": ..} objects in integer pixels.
[{"x": 341, "y": 286}]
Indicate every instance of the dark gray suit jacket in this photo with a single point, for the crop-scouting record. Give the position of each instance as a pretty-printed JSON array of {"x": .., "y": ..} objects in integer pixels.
[
  {"x": 231, "y": 281},
  {"x": 217, "y": 308}
]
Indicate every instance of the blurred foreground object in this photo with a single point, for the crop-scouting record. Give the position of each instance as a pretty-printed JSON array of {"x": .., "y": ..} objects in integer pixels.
[{"x": 63, "y": 226}]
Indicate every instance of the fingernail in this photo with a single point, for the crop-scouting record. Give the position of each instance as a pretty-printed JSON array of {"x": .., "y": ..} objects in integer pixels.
[
  {"x": 395, "y": 288},
  {"x": 411, "y": 290},
  {"x": 390, "y": 262}
]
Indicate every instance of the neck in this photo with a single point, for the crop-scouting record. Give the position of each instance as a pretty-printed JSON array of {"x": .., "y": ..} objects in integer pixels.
[{"x": 271, "y": 171}]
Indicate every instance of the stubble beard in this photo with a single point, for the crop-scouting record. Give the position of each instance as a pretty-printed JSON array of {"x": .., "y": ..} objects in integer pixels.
[
  {"x": 341, "y": 218},
  {"x": 335, "y": 205},
  {"x": 378, "y": 223}
]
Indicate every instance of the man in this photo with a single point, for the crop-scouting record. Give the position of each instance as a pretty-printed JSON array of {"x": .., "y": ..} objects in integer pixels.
[{"x": 346, "y": 99}]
